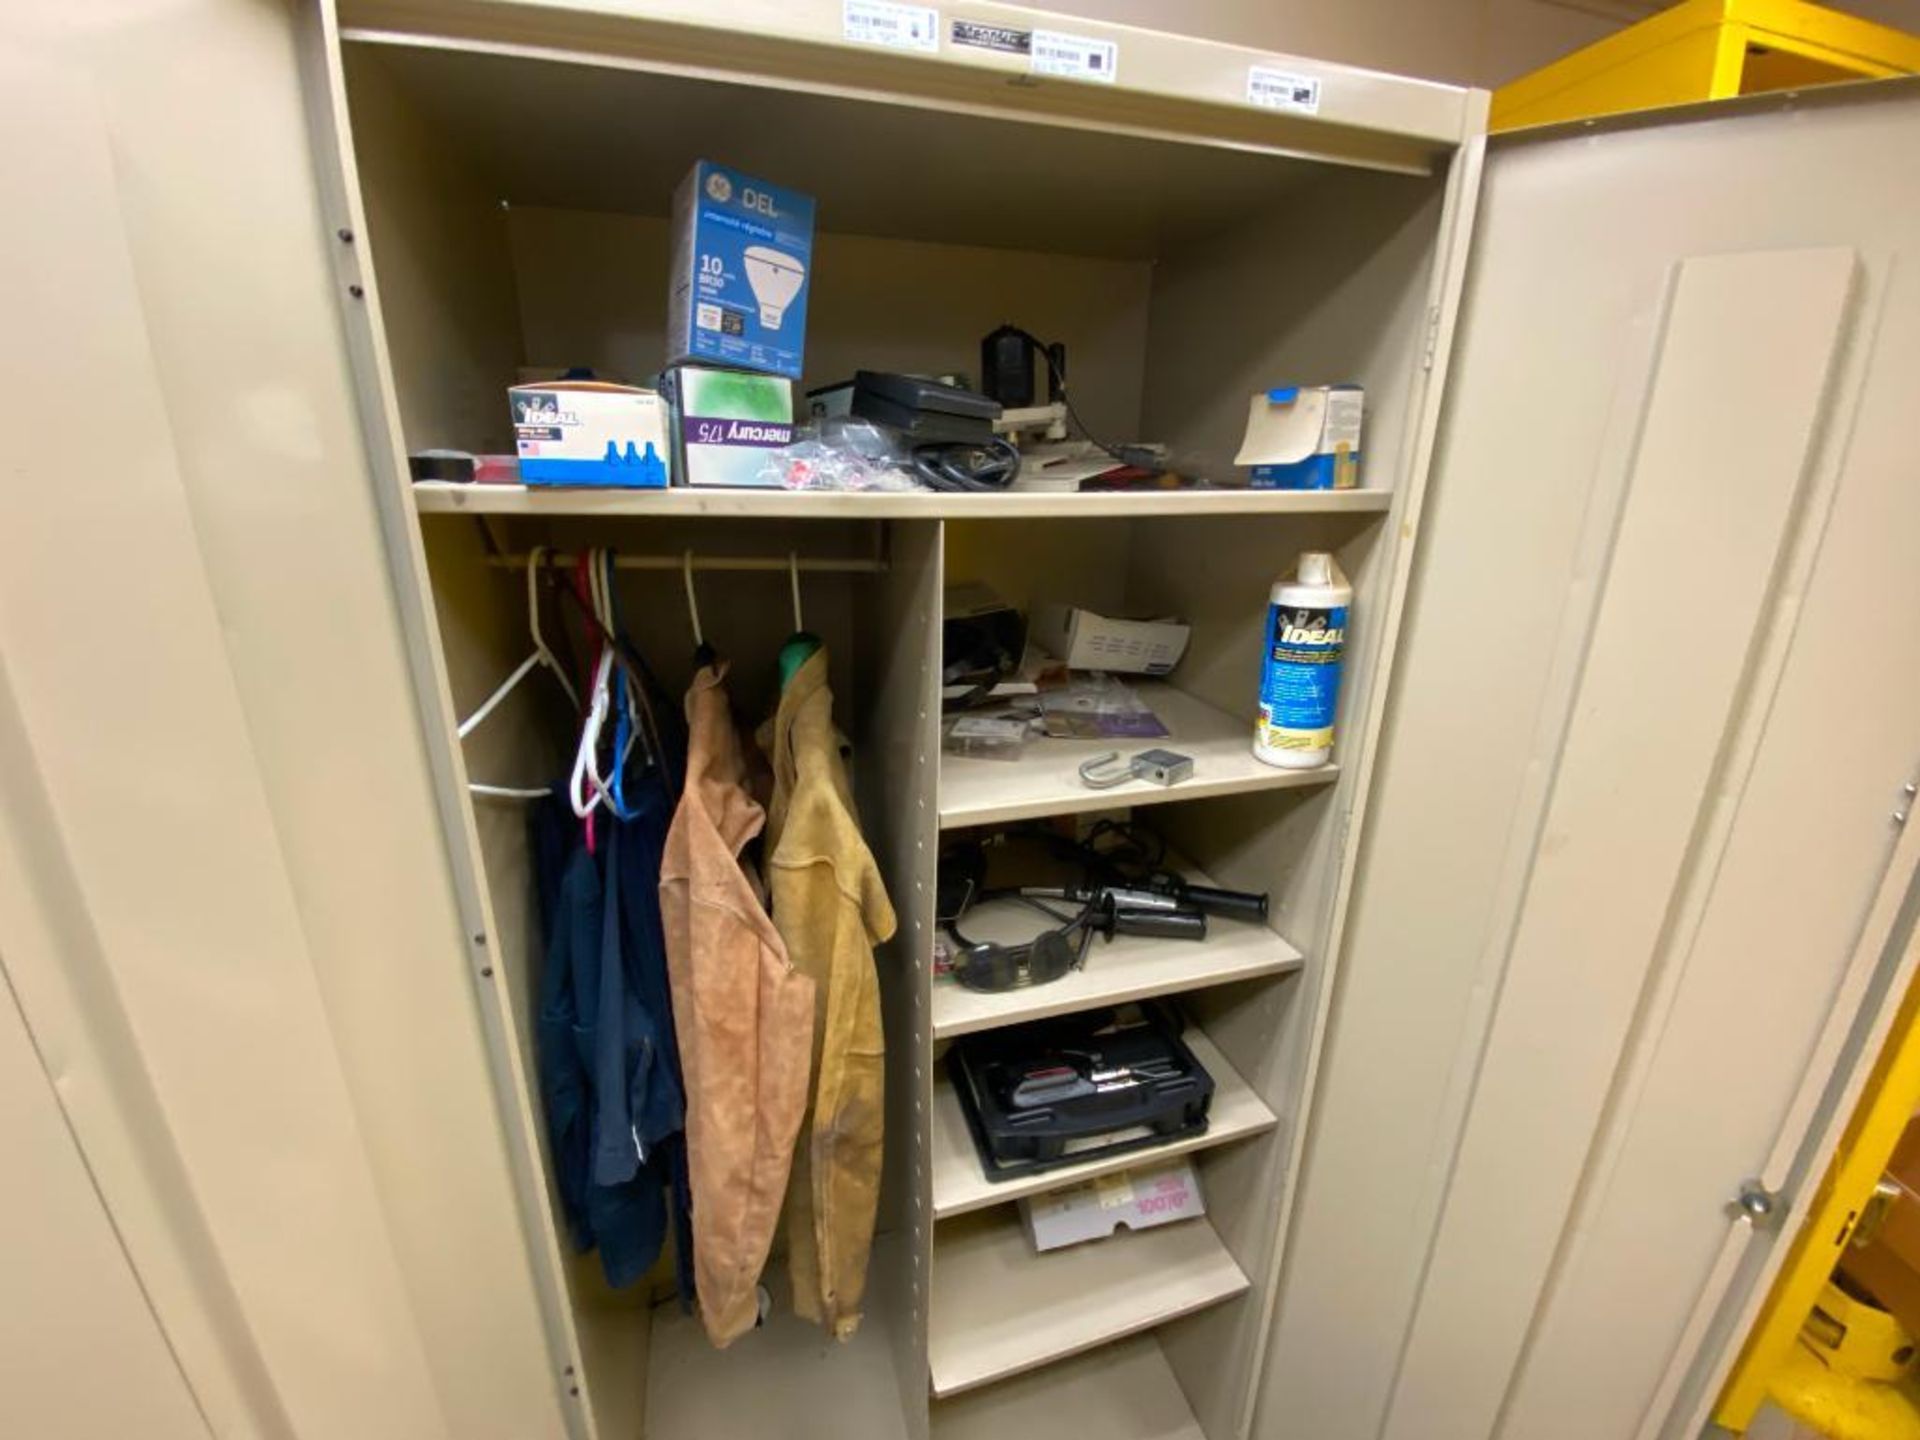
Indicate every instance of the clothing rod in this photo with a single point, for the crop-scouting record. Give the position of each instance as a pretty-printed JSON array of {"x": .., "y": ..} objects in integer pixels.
[{"x": 769, "y": 563}]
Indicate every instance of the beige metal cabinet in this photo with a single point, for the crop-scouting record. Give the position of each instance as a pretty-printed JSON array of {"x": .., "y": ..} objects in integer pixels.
[
  {"x": 503, "y": 176},
  {"x": 406, "y": 202}
]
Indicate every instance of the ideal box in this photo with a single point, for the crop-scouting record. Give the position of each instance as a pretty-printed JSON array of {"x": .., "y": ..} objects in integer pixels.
[
  {"x": 1086, "y": 641},
  {"x": 588, "y": 432},
  {"x": 742, "y": 267},
  {"x": 1304, "y": 437}
]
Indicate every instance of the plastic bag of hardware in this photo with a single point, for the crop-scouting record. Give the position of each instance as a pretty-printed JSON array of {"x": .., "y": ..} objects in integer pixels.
[
  {"x": 841, "y": 453},
  {"x": 1094, "y": 706},
  {"x": 986, "y": 737}
]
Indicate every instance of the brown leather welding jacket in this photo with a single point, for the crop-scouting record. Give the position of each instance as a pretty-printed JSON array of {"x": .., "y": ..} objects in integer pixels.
[{"x": 743, "y": 1014}]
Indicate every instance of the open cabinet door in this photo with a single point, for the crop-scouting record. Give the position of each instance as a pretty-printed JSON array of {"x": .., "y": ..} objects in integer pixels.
[
  {"x": 1888, "y": 1102},
  {"x": 1614, "y": 947},
  {"x": 226, "y": 916}
]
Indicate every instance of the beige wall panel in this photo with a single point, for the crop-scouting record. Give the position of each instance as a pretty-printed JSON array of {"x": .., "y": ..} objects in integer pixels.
[
  {"x": 1327, "y": 285},
  {"x": 592, "y": 292},
  {"x": 82, "y": 1356},
  {"x": 439, "y": 238}
]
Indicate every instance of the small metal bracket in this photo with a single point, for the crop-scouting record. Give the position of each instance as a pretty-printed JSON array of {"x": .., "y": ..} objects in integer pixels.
[
  {"x": 1874, "y": 1213},
  {"x": 1760, "y": 1207},
  {"x": 1432, "y": 339}
]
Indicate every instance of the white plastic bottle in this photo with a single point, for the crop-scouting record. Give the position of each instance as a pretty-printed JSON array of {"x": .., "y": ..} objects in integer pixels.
[{"x": 1306, "y": 640}]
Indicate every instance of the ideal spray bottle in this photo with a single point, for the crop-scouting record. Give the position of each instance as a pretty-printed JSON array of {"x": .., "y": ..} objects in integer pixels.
[{"x": 1306, "y": 640}]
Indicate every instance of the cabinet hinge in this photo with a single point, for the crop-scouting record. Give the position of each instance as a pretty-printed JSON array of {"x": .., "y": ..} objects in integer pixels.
[{"x": 1432, "y": 341}]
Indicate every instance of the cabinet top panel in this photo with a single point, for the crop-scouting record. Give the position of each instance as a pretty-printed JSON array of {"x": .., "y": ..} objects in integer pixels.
[{"x": 980, "y": 59}]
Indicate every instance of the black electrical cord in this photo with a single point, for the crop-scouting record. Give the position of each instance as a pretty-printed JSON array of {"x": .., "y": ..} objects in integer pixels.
[
  {"x": 1135, "y": 455},
  {"x": 968, "y": 465}
]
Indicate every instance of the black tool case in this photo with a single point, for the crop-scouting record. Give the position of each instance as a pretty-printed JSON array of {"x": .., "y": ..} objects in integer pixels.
[{"x": 1082, "y": 1087}]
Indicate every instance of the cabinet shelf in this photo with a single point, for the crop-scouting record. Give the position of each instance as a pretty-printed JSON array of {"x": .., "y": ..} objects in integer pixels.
[
  {"x": 439, "y": 497},
  {"x": 1129, "y": 967},
  {"x": 1122, "y": 1391},
  {"x": 960, "y": 1187},
  {"x": 1045, "y": 780},
  {"x": 1000, "y": 1308}
]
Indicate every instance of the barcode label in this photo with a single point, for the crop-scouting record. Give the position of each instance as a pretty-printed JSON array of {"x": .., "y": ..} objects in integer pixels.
[
  {"x": 880, "y": 22},
  {"x": 1280, "y": 90},
  {"x": 1075, "y": 56},
  {"x": 991, "y": 37}
]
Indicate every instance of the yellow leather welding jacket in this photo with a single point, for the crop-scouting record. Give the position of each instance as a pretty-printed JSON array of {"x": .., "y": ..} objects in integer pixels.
[{"x": 831, "y": 909}]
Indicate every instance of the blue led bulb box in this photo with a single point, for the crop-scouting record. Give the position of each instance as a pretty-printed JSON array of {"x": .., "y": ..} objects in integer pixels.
[{"x": 742, "y": 267}]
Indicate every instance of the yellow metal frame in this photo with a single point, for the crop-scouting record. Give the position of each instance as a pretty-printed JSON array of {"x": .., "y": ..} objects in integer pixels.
[
  {"x": 1707, "y": 50},
  {"x": 1888, "y": 1103}
]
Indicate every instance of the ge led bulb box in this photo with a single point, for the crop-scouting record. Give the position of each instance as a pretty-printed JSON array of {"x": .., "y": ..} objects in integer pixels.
[{"x": 742, "y": 267}]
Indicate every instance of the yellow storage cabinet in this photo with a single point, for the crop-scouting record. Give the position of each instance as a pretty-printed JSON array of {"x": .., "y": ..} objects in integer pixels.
[{"x": 1707, "y": 50}]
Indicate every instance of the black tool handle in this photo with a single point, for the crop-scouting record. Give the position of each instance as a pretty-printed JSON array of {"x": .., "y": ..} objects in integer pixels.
[
  {"x": 1165, "y": 924},
  {"x": 1240, "y": 904},
  {"x": 1128, "y": 897}
]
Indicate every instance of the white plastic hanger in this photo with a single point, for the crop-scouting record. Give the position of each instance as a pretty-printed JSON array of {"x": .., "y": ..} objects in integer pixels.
[
  {"x": 542, "y": 657},
  {"x": 585, "y": 761},
  {"x": 586, "y": 756}
]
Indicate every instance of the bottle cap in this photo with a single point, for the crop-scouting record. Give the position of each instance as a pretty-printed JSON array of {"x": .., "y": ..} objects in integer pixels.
[{"x": 1315, "y": 568}]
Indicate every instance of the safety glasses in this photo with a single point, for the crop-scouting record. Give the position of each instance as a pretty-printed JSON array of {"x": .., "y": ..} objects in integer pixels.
[
  {"x": 983, "y": 965},
  {"x": 990, "y": 966}
]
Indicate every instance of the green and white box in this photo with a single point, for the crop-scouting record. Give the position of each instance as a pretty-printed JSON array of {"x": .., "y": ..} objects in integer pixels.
[{"x": 728, "y": 421}]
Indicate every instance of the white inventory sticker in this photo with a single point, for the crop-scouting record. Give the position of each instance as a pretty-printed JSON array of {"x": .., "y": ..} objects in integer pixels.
[
  {"x": 1075, "y": 56},
  {"x": 881, "y": 22},
  {"x": 1281, "y": 90}
]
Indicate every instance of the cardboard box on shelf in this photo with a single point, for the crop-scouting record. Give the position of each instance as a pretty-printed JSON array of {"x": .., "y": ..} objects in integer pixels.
[
  {"x": 728, "y": 420},
  {"x": 589, "y": 432},
  {"x": 1137, "y": 1199},
  {"x": 1083, "y": 640},
  {"x": 1304, "y": 437}
]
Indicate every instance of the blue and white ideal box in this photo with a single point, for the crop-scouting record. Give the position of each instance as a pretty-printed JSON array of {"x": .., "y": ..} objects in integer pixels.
[
  {"x": 742, "y": 266},
  {"x": 589, "y": 432},
  {"x": 1304, "y": 437}
]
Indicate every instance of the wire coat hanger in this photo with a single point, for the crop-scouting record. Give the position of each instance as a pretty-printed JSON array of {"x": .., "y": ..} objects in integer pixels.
[
  {"x": 703, "y": 654},
  {"x": 802, "y": 643},
  {"x": 542, "y": 657}
]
